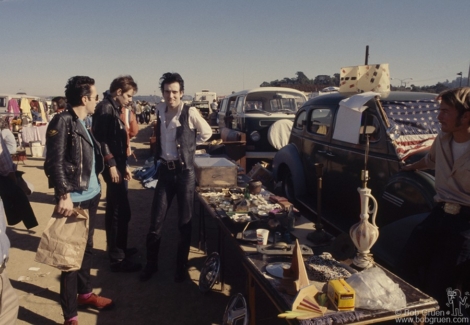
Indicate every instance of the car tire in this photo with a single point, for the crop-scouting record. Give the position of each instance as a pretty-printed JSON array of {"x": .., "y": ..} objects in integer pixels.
[{"x": 288, "y": 186}]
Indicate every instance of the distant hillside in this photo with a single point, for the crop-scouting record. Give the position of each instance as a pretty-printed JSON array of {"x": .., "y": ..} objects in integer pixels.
[
  {"x": 157, "y": 99},
  {"x": 150, "y": 99}
]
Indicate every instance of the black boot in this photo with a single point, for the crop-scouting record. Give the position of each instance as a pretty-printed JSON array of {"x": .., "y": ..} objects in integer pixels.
[
  {"x": 183, "y": 252},
  {"x": 153, "y": 246}
]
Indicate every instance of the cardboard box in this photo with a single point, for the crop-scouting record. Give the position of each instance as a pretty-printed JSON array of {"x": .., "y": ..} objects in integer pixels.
[
  {"x": 37, "y": 150},
  {"x": 215, "y": 172},
  {"x": 341, "y": 294}
]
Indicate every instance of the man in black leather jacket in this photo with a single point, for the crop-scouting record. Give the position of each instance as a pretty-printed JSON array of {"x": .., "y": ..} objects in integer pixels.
[
  {"x": 110, "y": 131},
  {"x": 73, "y": 163}
]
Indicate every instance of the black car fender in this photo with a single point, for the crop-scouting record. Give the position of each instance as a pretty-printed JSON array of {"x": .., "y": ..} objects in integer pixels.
[
  {"x": 288, "y": 158},
  {"x": 407, "y": 193},
  {"x": 393, "y": 238}
]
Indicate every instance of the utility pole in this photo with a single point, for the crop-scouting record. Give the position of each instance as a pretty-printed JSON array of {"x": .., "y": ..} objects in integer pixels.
[
  {"x": 468, "y": 76},
  {"x": 460, "y": 74},
  {"x": 367, "y": 55}
]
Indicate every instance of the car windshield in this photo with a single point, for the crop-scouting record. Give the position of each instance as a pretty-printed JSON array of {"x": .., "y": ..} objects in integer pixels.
[
  {"x": 273, "y": 102},
  {"x": 283, "y": 105}
]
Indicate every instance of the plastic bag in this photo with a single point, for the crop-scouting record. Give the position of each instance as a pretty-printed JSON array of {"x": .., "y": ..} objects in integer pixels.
[{"x": 375, "y": 290}]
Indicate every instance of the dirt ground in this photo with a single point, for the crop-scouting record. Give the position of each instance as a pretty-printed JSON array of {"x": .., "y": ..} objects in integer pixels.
[{"x": 158, "y": 301}]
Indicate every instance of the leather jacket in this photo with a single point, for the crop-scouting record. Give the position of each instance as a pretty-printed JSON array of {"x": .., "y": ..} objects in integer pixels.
[
  {"x": 110, "y": 132},
  {"x": 69, "y": 154}
]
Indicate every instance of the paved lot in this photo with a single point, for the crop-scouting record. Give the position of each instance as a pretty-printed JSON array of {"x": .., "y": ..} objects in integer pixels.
[{"x": 158, "y": 301}]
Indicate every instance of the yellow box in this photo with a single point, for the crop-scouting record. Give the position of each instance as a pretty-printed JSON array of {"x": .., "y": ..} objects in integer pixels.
[{"x": 341, "y": 294}]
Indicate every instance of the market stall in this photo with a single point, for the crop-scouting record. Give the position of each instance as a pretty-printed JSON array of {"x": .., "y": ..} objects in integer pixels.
[
  {"x": 31, "y": 133},
  {"x": 240, "y": 210}
]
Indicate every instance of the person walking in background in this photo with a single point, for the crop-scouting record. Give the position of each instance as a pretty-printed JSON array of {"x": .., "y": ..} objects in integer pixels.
[
  {"x": 138, "y": 112},
  {"x": 58, "y": 105},
  {"x": 73, "y": 163},
  {"x": 214, "y": 107},
  {"x": 437, "y": 255},
  {"x": 145, "y": 112},
  {"x": 8, "y": 298},
  {"x": 8, "y": 136},
  {"x": 35, "y": 111},
  {"x": 178, "y": 129},
  {"x": 110, "y": 131}
]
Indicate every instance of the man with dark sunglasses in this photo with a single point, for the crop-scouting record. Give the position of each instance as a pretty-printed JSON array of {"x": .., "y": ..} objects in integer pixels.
[{"x": 73, "y": 163}]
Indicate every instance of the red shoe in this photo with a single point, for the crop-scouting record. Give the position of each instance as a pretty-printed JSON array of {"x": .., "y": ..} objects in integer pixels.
[
  {"x": 96, "y": 302},
  {"x": 71, "y": 322}
]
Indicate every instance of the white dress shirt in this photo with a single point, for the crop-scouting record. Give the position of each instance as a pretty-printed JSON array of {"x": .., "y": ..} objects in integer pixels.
[{"x": 168, "y": 133}]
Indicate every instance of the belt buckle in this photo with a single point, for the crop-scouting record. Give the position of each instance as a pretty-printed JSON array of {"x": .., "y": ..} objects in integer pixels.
[
  {"x": 452, "y": 208},
  {"x": 171, "y": 165}
]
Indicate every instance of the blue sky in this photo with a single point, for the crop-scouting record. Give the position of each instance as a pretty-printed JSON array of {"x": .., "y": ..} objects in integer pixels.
[{"x": 226, "y": 46}]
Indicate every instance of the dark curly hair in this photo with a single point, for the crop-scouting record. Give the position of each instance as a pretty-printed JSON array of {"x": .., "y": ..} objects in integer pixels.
[
  {"x": 169, "y": 78},
  {"x": 76, "y": 88}
]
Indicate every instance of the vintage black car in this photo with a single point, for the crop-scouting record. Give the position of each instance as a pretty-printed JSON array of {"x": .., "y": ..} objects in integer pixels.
[{"x": 405, "y": 125}]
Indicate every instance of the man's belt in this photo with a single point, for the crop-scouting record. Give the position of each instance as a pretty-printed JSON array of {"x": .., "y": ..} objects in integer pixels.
[
  {"x": 171, "y": 164},
  {"x": 454, "y": 208}
]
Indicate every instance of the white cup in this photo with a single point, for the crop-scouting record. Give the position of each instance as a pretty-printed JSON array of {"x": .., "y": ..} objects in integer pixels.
[{"x": 262, "y": 236}]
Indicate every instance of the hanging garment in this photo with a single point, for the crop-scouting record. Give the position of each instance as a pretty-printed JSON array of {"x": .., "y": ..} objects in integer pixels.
[{"x": 13, "y": 107}]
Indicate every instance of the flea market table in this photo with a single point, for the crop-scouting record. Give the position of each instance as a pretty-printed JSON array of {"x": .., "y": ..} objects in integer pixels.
[{"x": 418, "y": 303}]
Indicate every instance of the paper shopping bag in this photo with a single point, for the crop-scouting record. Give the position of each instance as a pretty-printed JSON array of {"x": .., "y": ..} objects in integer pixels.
[{"x": 64, "y": 240}]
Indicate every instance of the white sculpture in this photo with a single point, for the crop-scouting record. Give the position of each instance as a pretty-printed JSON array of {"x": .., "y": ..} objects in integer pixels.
[{"x": 364, "y": 234}]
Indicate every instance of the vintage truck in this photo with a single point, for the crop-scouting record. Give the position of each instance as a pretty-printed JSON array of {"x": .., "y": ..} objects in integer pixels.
[{"x": 405, "y": 125}]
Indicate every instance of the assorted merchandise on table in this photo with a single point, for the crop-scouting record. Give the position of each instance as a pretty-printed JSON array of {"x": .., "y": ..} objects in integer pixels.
[{"x": 320, "y": 286}]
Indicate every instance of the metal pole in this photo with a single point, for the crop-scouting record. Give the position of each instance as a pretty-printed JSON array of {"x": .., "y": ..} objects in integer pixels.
[
  {"x": 468, "y": 76},
  {"x": 367, "y": 55}
]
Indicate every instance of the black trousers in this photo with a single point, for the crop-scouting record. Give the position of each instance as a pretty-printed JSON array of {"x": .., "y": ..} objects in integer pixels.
[
  {"x": 437, "y": 255},
  {"x": 170, "y": 183},
  {"x": 79, "y": 282},
  {"x": 117, "y": 216}
]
